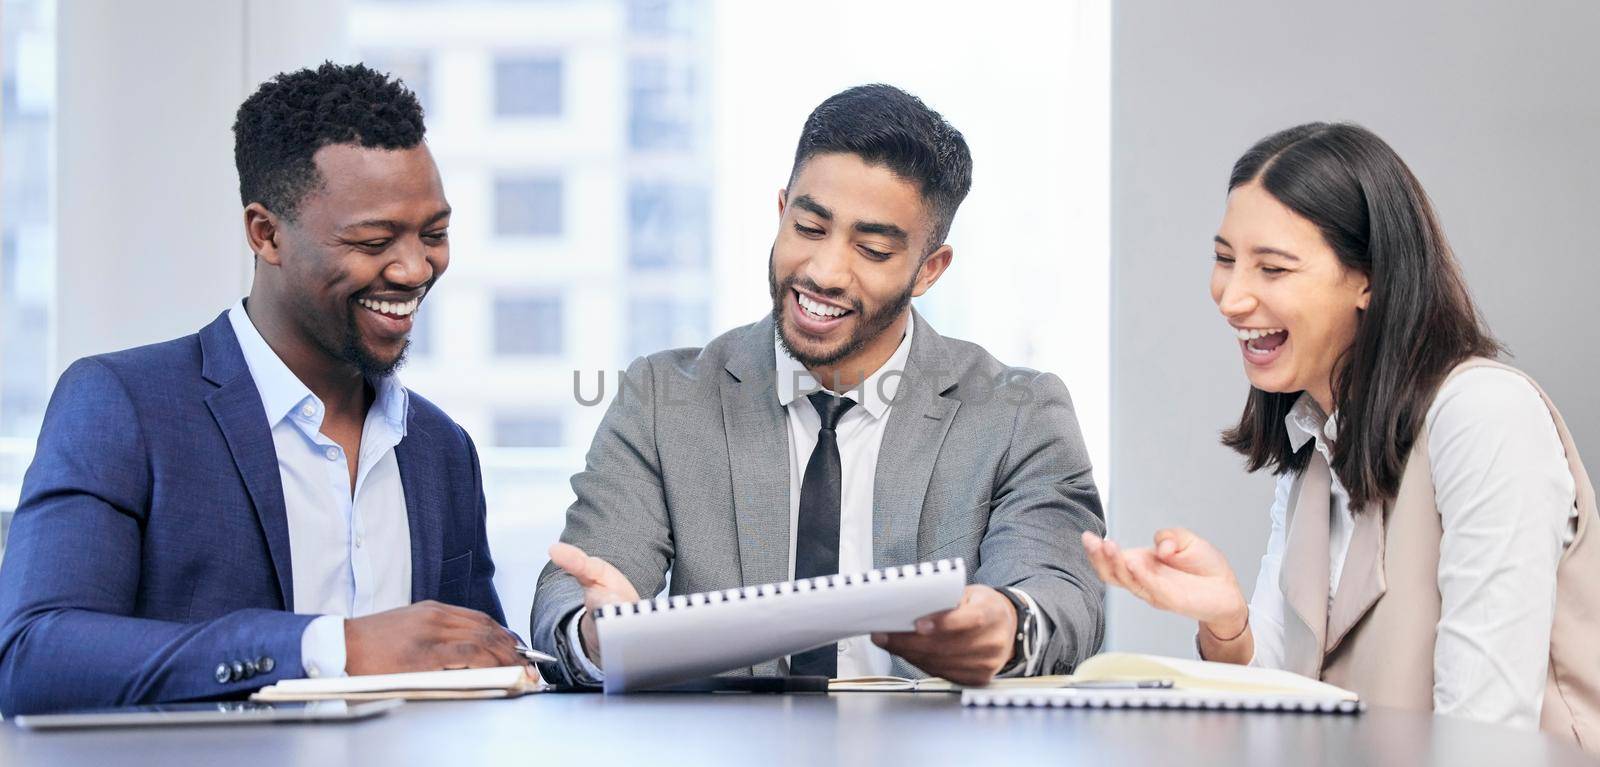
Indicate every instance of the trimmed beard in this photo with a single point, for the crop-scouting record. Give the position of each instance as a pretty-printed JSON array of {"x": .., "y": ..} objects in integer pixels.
[
  {"x": 354, "y": 352},
  {"x": 868, "y": 328}
]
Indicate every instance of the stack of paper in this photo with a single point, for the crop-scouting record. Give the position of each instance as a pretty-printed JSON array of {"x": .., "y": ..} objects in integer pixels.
[{"x": 455, "y": 684}]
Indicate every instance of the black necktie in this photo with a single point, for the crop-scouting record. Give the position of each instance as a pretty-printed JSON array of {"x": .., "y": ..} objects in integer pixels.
[{"x": 816, "y": 549}]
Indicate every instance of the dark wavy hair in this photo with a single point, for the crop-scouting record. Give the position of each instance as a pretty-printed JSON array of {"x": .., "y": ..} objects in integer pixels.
[
  {"x": 294, "y": 114},
  {"x": 886, "y": 126},
  {"x": 1419, "y": 324}
]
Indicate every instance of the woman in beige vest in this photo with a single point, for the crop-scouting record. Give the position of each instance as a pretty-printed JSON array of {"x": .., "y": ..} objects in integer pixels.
[{"x": 1428, "y": 544}]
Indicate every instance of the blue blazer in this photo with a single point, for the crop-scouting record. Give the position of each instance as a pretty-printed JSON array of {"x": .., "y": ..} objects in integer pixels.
[{"x": 148, "y": 558}]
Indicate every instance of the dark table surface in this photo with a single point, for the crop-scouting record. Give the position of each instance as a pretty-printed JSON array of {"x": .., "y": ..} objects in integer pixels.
[{"x": 768, "y": 730}]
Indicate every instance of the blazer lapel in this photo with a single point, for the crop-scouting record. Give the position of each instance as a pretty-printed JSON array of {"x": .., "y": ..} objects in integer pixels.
[
  {"x": 424, "y": 492},
  {"x": 918, "y": 422},
  {"x": 1361, "y": 582},
  {"x": 758, "y": 457},
  {"x": 1304, "y": 579},
  {"x": 236, "y": 405}
]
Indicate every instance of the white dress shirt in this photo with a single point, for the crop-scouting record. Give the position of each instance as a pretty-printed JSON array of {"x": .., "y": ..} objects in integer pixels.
[
  {"x": 350, "y": 552},
  {"x": 1508, "y": 506},
  {"x": 859, "y": 433}
]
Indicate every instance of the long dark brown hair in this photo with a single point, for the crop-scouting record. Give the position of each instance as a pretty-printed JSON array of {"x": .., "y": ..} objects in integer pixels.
[{"x": 1419, "y": 324}]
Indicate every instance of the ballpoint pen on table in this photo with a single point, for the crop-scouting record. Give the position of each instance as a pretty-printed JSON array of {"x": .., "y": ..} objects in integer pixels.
[
  {"x": 1125, "y": 684},
  {"x": 533, "y": 655}
]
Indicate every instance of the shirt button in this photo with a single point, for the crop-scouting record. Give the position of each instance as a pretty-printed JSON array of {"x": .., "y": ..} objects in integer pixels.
[
  {"x": 333, "y": 453},
  {"x": 359, "y": 541},
  {"x": 308, "y": 410}
]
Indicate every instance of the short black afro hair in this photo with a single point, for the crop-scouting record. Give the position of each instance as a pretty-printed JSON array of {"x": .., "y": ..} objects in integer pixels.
[{"x": 293, "y": 115}]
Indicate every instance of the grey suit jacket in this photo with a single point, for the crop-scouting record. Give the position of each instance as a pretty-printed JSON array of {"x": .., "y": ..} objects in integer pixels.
[{"x": 689, "y": 471}]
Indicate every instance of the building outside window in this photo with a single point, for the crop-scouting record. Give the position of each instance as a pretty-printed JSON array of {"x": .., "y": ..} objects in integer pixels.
[
  {"x": 668, "y": 226},
  {"x": 27, "y": 235},
  {"x": 545, "y": 118},
  {"x": 663, "y": 111},
  {"x": 664, "y": 322},
  {"x": 413, "y": 67},
  {"x": 527, "y": 86},
  {"x": 614, "y": 166},
  {"x": 529, "y": 430},
  {"x": 528, "y": 325},
  {"x": 528, "y": 206}
]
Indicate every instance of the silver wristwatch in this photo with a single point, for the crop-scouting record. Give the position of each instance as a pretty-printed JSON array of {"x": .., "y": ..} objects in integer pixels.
[{"x": 1022, "y": 648}]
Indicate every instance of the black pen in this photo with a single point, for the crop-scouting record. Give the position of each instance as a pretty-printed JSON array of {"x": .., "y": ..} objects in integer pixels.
[{"x": 1129, "y": 684}]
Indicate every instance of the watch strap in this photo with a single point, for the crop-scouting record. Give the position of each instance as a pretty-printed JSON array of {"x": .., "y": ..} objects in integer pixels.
[{"x": 1022, "y": 641}]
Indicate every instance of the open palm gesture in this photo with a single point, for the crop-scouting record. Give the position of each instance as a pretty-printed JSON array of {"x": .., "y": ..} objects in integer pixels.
[{"x": 1181, "y": 573}]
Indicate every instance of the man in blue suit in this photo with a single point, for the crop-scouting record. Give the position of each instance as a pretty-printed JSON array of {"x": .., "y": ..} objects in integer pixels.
[{"x": 263, "y": 500}]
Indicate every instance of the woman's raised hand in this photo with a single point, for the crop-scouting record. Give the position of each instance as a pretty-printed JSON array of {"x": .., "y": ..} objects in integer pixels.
[{"x": 1181, "y": 573}]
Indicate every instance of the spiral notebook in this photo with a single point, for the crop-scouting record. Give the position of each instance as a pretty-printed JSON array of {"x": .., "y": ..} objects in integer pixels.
[
  {"x": 1127, "y": 680},
  {"x": 667, "y": 640}
]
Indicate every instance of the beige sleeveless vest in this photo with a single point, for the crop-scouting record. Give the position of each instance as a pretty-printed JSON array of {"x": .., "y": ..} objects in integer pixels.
[{"x": 1377, "y": 638}]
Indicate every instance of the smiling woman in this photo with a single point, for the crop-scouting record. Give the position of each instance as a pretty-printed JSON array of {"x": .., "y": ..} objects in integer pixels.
[
  {"x": 1344, "y": 252},
  {"x": 1430, "y": 543},
  {"x": 1278, "y": 302}
]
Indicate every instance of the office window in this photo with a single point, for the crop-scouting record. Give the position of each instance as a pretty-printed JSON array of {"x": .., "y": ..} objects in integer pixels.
[
  {"x": 527, "y": 86},
  {"x": 662, "y": 108},
  {"x": 528, "y": 325},
  {"x": 661, "y": 17},
  {"x": 528, "y": 206},
  {"x": 413, "y": 67},
  {"x": 525, "y": 430},
  {"x": 658, "y": 322},
  {"x": 668, "y": 226},
  {"x": 666, "y": 213},
  {"x": 27, "y": 235}
]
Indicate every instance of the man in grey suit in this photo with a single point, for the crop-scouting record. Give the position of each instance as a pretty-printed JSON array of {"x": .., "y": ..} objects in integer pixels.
[{"x": 842, "y": 433}]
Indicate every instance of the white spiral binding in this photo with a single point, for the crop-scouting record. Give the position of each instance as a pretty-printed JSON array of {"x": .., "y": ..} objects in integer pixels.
[
  {"x": 1020, "y": 699},
  {"x": 819, "y": 583}
]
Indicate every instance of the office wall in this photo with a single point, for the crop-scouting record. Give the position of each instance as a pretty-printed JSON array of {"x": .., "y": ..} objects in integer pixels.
[
  {"x": 1496, "y": 107},
  {"x": 150, "y": 237}
]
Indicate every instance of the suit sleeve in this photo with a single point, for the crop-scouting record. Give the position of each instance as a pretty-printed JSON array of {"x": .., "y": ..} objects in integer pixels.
[
  {"x": 482, "y": 595},
  {"x": 620, "y": 514},
  {"x": 70, "y": 578},
  {"x": 1044, "y": 499}
]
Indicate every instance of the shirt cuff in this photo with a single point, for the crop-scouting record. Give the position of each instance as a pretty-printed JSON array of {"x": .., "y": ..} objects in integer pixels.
[
  {"x": 322, "y": 651},
  {"x": 578, "y": 660},
  {"x": 1041, "y": 631}
]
